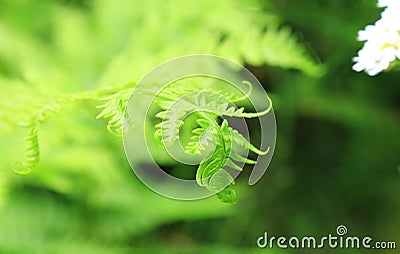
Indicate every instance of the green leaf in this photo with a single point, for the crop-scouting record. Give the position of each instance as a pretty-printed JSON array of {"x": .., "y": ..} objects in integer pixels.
[
  {"x": 227, "y": 195},
  {"x": 114, "y": 109}
]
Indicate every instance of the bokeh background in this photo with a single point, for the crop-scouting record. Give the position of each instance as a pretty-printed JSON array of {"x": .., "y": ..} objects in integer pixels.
[{"x": 337, "y": 155}]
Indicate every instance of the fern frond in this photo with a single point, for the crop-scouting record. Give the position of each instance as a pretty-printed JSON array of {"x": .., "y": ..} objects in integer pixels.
[
  {"x": 282, "y": 48},
  {"x": 202, "y": 101},
  {"x": 114, "y": 107},
  {"x": 32, "y": 153},
  {"x": 32, "y": 144},
  {"x": 208, "y": 106},
  {"x": 277, "y": 46}
]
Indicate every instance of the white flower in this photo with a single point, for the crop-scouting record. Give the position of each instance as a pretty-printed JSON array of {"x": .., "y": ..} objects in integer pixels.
[
  {"x": 373, "y": 61},
  {"x": 388, "y": 3},
  {"x": 382, "y": 41}
]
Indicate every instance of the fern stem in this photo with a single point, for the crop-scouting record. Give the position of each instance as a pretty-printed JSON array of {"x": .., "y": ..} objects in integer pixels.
[{"x": 258, "y": 114}]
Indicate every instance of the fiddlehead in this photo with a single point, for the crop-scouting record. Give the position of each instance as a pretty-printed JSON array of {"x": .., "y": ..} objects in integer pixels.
[{"x": 208, "y": 106}]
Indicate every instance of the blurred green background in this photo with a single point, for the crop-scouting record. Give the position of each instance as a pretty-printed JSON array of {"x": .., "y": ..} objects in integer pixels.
[{"x": 337, "y": 154}]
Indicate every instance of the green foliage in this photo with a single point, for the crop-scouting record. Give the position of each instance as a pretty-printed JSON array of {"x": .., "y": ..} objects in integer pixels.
[
  {"x": 276, "y": 47},
  {"x": 62, "y": 62},
  {"x": 114, "y": 109}
]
